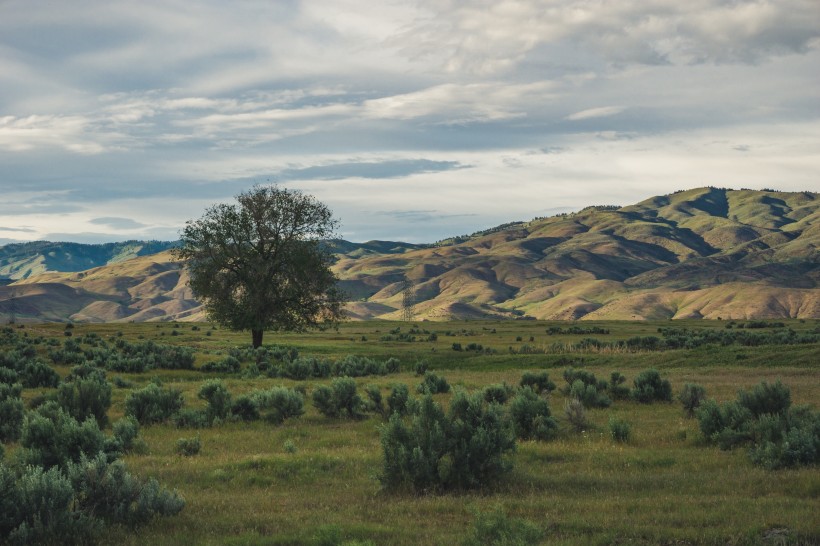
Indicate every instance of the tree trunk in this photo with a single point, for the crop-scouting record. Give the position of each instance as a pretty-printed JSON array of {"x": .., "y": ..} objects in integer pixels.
[{"x": 257, "y": 338}]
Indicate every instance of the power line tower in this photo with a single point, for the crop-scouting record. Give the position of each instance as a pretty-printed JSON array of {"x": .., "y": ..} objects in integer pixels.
[{"x": 408, "y": 300}]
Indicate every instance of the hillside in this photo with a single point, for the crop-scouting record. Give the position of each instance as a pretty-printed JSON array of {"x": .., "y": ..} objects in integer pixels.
[{"x": 702, "y": 253}]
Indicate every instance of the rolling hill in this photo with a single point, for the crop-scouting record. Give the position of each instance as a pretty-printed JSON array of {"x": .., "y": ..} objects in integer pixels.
[{"x": 701, "y": 253}]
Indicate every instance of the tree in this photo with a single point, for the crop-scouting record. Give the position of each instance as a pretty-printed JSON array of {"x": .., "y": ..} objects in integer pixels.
[{"x": 259, "y": 265}]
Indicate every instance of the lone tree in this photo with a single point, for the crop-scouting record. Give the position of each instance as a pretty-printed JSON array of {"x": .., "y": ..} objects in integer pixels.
[{"x": 259, "y": 265}]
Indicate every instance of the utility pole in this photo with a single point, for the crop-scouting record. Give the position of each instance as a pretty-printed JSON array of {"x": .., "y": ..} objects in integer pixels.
[{"x": 408, "y": 300}]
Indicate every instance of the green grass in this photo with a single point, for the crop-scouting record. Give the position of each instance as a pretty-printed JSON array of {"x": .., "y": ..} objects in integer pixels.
[{"x": 258, "y": 483}]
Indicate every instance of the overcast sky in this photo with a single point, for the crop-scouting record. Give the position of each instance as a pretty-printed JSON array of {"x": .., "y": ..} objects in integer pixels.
[{"x": 413, "y": 120}]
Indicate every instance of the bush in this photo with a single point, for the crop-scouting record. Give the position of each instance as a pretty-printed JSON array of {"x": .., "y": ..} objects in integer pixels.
[
  {"x": 397, "y": 401},
  {"x": 229, "y": 364},
  {"x": 589, "y": 395},
  {"x": 126, "y": 431},
  {"x": 576, "y": 414},
  {"x": 191, "y": 418},
  {"x": 498, "y": 393},
  {"x": 37, "y": 373},
  {"x": 649, "y": 387},
  {"x": 218, "y": 398},
  {"x": 765, "y": 398},
  {"x": 107, "y": 491},
  {"x": 53, "y": 438},
  {"x": 466, "y": 448},
  {"x": 691, "y": 398},
  {"x": 538, "y": 382},
  {"x": 497, "y": 529},
  {"x": 82, "y": 398},
  {"x": 433, "y": 384},
  {"x": 617, "y": 389},
  {"x": 284, "y": 403},
  {"x": 245, "y": 408},
  {"x": 153, "y": 404},
  {"x": 531, "y": 416},
  {"x": 619, "y": 429},
  {"x": 11, "y": 412},
  {"x": 374, "y": 396},
  {"x": 343, "y": 399},
  {"x": 188, "y": 447}
]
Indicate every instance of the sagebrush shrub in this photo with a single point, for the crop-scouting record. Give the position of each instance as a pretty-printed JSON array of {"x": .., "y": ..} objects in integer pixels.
[
  {"x": 126, "y": 431},
  {"x": 86, "y": 397},
  {"x": 691, "y": 397},
  {"x": 188, "y": 447},
  {"x": 53, "y": 438},
  {"x": 245, "y": 408},
  {"x": 37, "y": 373},
  {"x": 619, "y": 429},
  {"x": 433, "y": 384},
  {"x": 576, "y": 414},
  {"x": 649, "y": 387},
  {"x": 282, "y": 402},
  {"x": 398, "y": 399},
  {"x": 617, "y": 389},
  {"x": 766, "y": 398},
  {"x": 531, "y": 416},
  {"x": 338, "y": 399},
  {"x": 466, "y": 448},
  {"x": 375, "y": 399},
  {"x": 153, "y": 404},
  {"x": 589, "y": 395},
  {"x": 537, "y": 381},
  {"x": 499, "y": 393},
  {"x": 218, "y": 398},
  {"x": 11, "y": 412}
]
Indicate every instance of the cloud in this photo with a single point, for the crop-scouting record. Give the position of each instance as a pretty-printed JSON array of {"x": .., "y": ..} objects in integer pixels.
[
  {"x": 602, "y": 112},
  {"x": 18, "y": 230},
  {"x": 117, "y": 223},
  {"x": 396, "y": 168}
]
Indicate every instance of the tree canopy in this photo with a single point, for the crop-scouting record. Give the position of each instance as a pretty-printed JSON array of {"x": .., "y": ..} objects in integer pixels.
[{"x": 259, "y": 264}]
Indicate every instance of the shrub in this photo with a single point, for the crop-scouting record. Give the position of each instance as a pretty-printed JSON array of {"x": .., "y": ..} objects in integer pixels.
[
  {"x": 464, "y": 449},
  {"x": 538, "y": 382},
  {"x": 218, "y": 398},
  {"x": 107, "y": 491},
  {"x": 338, "y": 399},
  {"x": 245, "y": 408},
  {"x": 421, "y": 367},
  {"x": 374, "y": 395},
  {"x": 53, "y": 438},
  {"x": 191, "y": 418},
  {"x": 188, "y": 447},
  {"x": 126, "y": 431},
  {"x": 589, "y": 395},
  {"x": 153, "y": 404},
  {"x": 37, "y": 373},
  {"x": 576, "y": 414},
  {"x": 619, "y": 429},
  {"x": 284, "y": 403},
  {"x": 765, "y": 398},
  {"x": 497, "y": 529},
  {"x": 398, "y": 399},
  {"x": 531, "y": 416},
  {"x": 649, "y": 387},
  {"x": 617, "y": 389},
  {"x": 691, "y": 397},
  {"x": 82, "y": 398},
  {"x": 229, "y": 364},
  {"x": 433, "y": 384},
  {"x": 498, "y": 393},
  {"x": 11, "y": 412}
]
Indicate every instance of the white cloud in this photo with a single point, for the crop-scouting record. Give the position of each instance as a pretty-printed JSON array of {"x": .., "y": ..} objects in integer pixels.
[{"x": 601, "y": 112}]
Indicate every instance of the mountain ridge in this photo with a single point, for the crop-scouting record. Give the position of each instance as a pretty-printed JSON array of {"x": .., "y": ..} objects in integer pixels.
[{"x": 701, "y": 253}]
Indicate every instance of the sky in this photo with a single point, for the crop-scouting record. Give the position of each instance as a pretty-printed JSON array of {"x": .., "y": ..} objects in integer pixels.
[{"x": 412, "y": 120}]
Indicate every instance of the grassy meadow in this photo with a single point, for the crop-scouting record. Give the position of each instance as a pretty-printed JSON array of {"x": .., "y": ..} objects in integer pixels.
[{"x": 313, "y": 479}]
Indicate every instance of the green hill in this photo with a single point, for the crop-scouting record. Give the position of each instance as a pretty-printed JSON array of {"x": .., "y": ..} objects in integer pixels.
[{"x": 701, "y": 253}]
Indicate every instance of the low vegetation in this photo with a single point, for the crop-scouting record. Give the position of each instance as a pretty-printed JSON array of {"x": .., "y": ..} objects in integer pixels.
[{"x": 409, "y": 442}]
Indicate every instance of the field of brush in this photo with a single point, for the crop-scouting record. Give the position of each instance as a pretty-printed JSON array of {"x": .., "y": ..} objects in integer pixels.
[{"x": 314, "y": 479}]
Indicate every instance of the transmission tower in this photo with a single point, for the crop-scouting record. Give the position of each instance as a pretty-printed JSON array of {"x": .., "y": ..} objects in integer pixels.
[{"x": 408, "y": 300}]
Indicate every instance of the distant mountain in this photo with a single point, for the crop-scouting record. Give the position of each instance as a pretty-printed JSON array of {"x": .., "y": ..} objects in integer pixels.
[
  {"x": 703, "y": 253},
  {"x": 22, "y": 260}
]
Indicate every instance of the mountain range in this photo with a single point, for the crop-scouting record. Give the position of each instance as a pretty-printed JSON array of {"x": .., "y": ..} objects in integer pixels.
[{"x": 701, "y": 253}]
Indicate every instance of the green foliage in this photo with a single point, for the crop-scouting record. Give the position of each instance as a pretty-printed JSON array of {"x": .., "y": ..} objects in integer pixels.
[
  {"x": 576, "y": 414},
  {"x": 433, "y": 384},
  {"x": 11, "y": 412},
  {"x": 497, "y": 529},
  {"x": 126, "y": 432},
  {"x": 188, "y": 447},
  {"x": 398, "y": 399},
  {"x": 589, "y": 395},
  {"x": 37, "y": 373},
  {"x": 153, "y": 404},
  {"x": 229, "y": 364},
  {"x": 619, "y": 429},
  {"x": 53, "y": 438},
  {"x": 531, "y": 416},
  {"x": 375, "y": 399},
  {"x": 537, "y": 381},
  {"x": 617, "y": 389},
  {"x": 498, "y": 393},
  {"x": 218, "y": 398},
  {"x": 283, "y": 279},
  {"x": 282, "y": 402},
  {"x": 691, "y": 397},
  {"x": 86, "y": 397},
  {"x": 245, "y": 408},
  {"x": 466, "y": 448},
  {"x": 780, "y": 436},
  {"x": 339, "y": 399},
  {"x": 649, "y": 387}
]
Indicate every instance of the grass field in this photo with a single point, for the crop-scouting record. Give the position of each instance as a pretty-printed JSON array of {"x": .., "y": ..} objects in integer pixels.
[{"x": 313, "y": 479}]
